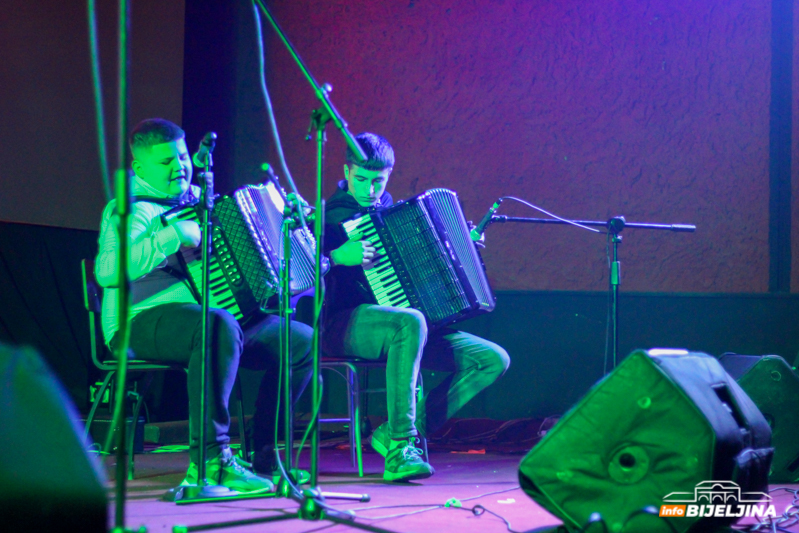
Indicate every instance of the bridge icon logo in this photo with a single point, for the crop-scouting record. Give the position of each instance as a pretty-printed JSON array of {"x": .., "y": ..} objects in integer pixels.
[{"x": 717, "y": 493}]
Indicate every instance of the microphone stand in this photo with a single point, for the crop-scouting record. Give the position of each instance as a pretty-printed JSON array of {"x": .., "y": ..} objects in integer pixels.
[
  {"x": 311, "y": 501},
  {"x": 319, "y": 119},
  {"x": 123, "y": 208},
  {"x": 614, "y": 228},
  {"x": 291, "y": 221},
  {"x": 202, "y": 491}
]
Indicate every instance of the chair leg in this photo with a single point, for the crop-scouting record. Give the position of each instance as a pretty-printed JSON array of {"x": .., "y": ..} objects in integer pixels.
[
  {"x": 419, "y": 398},
  {"x": 98, "y": 398},
  {"x": 350, "y": 413},
  {"x": 356, "y": 443},
  {"x": 353, "y": 401},
  {"x": 148, "y": 379},
  {"x": 240, "y": 407}
]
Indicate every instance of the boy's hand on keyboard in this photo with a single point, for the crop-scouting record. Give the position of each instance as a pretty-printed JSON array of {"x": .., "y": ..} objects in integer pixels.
[
  {"x": 188, "y": 233},
  {"x": 354, "y": 252}
]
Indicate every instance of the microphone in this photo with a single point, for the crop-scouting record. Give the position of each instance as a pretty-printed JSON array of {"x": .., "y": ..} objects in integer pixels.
[
  {"x": 202, "y": 157},
  {"x": 270, "y": 172},
  {"x": 478, "y": 230}
]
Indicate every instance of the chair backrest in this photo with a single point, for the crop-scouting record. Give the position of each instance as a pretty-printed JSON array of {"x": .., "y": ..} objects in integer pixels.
[
  {"x": 92, "y": 292},
  {"x": 92, "y": 301}
]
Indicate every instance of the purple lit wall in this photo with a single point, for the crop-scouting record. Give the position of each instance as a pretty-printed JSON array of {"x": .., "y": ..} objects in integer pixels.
[{"x": 652, "y": 109}]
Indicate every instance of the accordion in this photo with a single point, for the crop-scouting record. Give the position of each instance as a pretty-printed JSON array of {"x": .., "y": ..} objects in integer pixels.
[
  {"x": 244, "y": 268},
  {"x": 425, "y": 259}
]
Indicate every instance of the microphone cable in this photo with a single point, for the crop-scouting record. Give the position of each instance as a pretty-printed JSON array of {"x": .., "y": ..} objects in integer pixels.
[
  {"x": 268, "y": 101},
  {"x": 94, "y": 54}
]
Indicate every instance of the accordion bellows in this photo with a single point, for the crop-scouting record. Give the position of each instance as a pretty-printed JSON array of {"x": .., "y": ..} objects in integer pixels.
[{"x": 248, "y": 250}]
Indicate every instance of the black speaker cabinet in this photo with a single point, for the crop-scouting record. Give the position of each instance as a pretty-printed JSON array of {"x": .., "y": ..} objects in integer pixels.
[
  {"x": 47, "y": 480},
  {"x": 656, "y": 431},
  {"x": 774, "y": 387}
]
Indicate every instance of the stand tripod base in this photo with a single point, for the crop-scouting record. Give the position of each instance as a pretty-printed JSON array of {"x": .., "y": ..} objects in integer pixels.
[
  {"x": 312, "y": 508},
  {"x": 286, "y": 489}
]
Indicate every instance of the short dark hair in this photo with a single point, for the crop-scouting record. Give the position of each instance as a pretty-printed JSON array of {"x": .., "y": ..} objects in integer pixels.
[
  {"x": 152, "y": 131},
  {"x": 379, "y": 153}
]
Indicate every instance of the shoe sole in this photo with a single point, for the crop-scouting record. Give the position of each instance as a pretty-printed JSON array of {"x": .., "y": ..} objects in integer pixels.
[
  {"x": 252, "y": 490},
  {"x": 399, "y": 476}
]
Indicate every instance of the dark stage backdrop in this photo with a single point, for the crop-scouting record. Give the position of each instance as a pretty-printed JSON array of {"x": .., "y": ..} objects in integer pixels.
[
  {"x": 652, "y": 109},
  {"x": 41, "y": 300}
]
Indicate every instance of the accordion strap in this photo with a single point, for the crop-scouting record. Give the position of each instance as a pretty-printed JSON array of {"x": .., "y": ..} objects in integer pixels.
[{"x": 179, "y": 271}]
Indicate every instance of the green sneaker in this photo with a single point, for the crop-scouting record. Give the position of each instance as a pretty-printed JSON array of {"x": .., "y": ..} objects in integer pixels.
[
  {"x": 191, "y": 476},
  {"x": 225, "y": 470},
  {"x": 380, "y": 439},
  {"x": 404, "y": 462},
  {"x": 232, "y": 475},
  {"x": 259, "y": 464}
]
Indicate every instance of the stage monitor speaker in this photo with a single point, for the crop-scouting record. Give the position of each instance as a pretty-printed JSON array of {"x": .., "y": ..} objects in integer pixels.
[
  {"x": 774, "y": 387},
  {"x": 47, "y": 480},
  {"x": 664, "y": 422}
]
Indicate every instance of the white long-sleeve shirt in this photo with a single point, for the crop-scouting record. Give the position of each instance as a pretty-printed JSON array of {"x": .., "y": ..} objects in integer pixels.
[{"x": 150, "y": 245}]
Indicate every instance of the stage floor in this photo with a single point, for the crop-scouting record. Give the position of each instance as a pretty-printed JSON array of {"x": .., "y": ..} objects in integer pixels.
[{"x": 458, "y": 475}]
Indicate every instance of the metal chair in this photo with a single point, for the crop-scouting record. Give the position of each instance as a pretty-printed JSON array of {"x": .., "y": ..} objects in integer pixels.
[
  {"x": 354, "y": 392},
  {"x": 92, "y": 298}
]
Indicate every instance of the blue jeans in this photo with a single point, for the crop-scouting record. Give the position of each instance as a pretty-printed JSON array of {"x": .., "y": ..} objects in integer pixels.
[{"x": 399, "y": 337}]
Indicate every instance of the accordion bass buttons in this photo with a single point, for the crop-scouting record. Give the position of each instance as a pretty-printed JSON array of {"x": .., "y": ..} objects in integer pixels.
[{"x": 225, "y": 258}]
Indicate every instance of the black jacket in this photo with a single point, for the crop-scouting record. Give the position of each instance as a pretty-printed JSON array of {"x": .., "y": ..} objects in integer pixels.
[{"x": 346, "y": 286}]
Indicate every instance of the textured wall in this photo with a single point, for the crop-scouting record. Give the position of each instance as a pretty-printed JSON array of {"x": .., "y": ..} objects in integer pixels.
[
  {"x": 49, "y": 167},
  {"x": 653, "y": 109}
]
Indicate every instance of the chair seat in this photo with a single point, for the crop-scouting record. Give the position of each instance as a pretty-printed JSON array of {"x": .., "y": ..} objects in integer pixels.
[
  {"x": 376, "y": 363},
  {"x": 140, "y": 364}
]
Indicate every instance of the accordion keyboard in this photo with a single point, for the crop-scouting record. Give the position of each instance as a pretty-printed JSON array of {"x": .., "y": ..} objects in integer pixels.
[
  {"x": 220, "y": 295},
  {"x": 382, "y": 277}
]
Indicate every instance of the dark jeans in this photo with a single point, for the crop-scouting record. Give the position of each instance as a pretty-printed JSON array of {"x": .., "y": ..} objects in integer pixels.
[
  {"x": 262, "y": 352},
  {"x": 173, "y": 333},
  {"x": 400, "y": 337}
]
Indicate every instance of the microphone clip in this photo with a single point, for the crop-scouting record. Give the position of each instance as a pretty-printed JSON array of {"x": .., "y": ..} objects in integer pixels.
[
  {"x": 202, "y": 158},
  {"x": 477, "y": 232}
]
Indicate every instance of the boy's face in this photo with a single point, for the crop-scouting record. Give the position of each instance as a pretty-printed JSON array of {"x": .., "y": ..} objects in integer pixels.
[
  {"x": 165, "y": 167},
  {"x": 366, "y": 186}
]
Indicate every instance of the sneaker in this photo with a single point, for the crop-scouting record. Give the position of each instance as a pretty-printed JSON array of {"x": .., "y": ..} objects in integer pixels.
[
  {"x": 404, "y": 462},
  {"x": 264, "y": 465},
  {"x": 225, "y": 470},
  {"x": 191, "y": 476},
  {"x": 380, "y": 439}
]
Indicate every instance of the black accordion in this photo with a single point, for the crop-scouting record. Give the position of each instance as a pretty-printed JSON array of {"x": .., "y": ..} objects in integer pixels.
[
  {"x": 244, "y": 268},
  {"x": 425, "y": 258}
]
